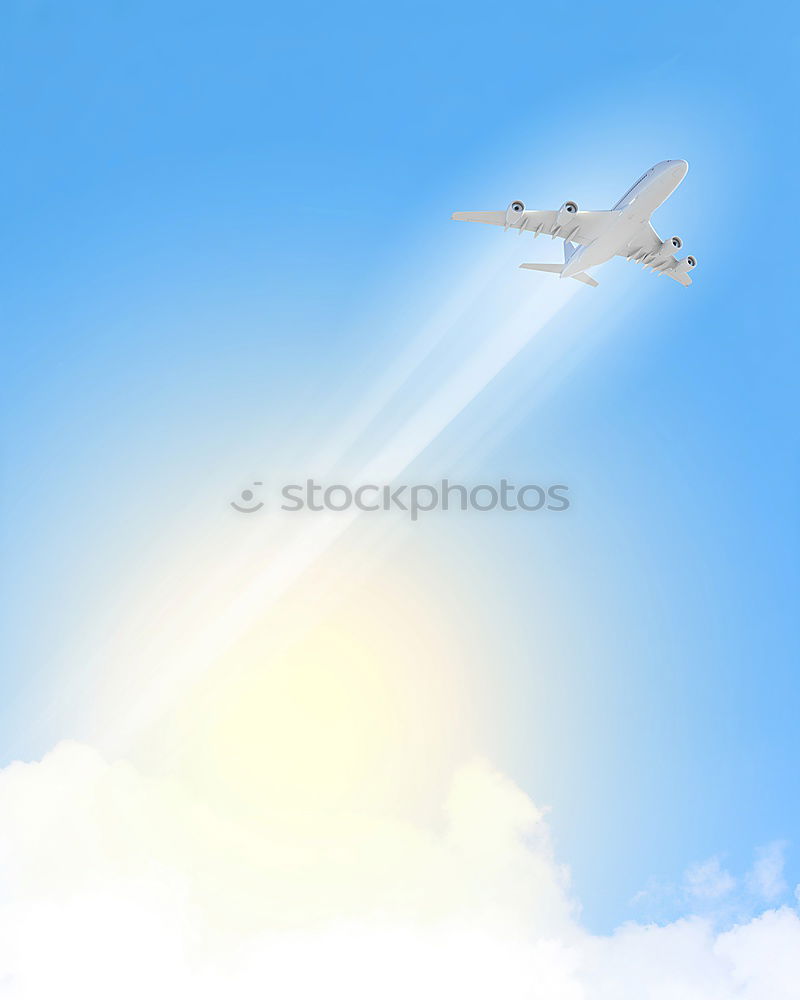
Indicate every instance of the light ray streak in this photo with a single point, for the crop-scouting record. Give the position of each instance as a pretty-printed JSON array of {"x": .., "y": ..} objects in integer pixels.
[{"x": 310, "y": 541}]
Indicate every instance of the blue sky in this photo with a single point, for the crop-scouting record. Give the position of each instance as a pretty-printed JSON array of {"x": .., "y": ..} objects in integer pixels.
[{"x": 221, "y": 225}]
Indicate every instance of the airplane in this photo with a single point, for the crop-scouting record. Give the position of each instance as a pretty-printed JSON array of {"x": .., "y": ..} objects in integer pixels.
[{"x": 592, "y": 238}]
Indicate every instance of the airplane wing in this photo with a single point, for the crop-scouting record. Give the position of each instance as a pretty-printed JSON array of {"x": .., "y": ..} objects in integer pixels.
[
  {"x": 645, "y": 247},
  {"x": 581, "y": 227},
  {"x": 682, "y": 279}
]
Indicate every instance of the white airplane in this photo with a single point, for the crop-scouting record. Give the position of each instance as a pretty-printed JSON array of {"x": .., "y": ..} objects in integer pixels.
[{"x": 592, "y": 238}]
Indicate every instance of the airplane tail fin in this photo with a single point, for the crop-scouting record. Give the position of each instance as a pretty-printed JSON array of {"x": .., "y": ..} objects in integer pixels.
[
  {"x": 558, "y": 268},
  {"x": 569, "y": 250}
]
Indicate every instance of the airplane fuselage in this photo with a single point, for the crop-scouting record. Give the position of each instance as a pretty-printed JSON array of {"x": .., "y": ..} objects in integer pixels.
[{"x": 632, "y": 210}]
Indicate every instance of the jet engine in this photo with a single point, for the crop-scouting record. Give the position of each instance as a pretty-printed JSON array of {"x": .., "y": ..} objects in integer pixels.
[
  {"x": 514, "y": 213},
  {"x": 686, "y": 264},
  {"x": 566, "y": 212},
  {"x": 671, "y": 245}
]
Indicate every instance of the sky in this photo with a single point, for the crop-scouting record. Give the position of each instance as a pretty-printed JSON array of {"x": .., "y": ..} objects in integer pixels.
[{"x": 228, "y": 258}]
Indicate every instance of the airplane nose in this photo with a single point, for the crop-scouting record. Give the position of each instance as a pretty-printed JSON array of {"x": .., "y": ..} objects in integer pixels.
[{"x": 680, "y": 168}]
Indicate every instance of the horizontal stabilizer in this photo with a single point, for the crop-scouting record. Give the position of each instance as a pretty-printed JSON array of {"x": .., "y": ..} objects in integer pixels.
[
  {"x": 552, "y": 268},
  {"x": 557, "y": 269}
]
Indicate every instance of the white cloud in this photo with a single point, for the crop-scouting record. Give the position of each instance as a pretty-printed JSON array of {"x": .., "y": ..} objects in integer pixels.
[
  {"x": 114, "y": 884},
  {"x": 766, "y": 879},
  {"x": 707, "y": 880}
]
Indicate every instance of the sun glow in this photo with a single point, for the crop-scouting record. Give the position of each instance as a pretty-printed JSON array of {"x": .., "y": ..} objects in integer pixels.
[{"x": 361, "y": 711}]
